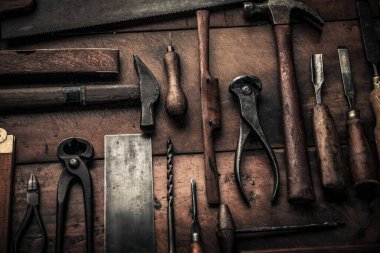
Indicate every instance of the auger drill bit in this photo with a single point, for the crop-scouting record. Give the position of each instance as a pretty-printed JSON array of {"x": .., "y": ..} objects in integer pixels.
[{"x": 170, "y": 196}]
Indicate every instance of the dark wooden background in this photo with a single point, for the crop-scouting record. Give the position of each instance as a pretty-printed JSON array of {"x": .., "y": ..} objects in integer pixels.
[{"x": 237, "y": 47}]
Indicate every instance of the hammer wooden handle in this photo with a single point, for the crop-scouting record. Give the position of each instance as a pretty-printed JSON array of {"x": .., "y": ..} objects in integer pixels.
[
  {"x": 362, "y": 164},
  {"x": 175, "y": 102},
  {"x": 211, "y": 120},
  {"x": 300, "y": 185},
  {"x": 330, "y": 156},
  {"x": 375, "y": 101}
]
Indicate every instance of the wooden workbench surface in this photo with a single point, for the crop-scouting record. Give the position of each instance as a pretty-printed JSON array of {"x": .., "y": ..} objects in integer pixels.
[{"x": 237, "y": 47}]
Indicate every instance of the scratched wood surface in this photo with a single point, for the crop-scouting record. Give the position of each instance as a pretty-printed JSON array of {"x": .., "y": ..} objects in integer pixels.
[{"x": 236, "y": 47}]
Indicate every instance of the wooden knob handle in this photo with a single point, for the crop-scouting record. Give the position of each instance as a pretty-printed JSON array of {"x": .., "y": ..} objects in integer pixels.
[
  {"x": 362, "y": 162},
  {"x": 375, "y": 101},
  {"x": 196, "y": 248},
  {"x": 175, "y": 102},
  {"x": 330, "y": 156}
]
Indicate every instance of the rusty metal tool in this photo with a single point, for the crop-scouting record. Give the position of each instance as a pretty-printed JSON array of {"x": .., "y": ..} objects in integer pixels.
[
  {"x": 246, "y": 90},
  {"x": 227, "y": 233},
  {"x": 175, "y": 101},
  {"x": 128, "y": 194},
  {"x": 7, "y": 151},
  {"x": 146, "y": 92},
  {"x": 372, "y": 48},
  {"x": 32, "y": 199},
  {"x": 55, "y": 17},
  {"x": 362, "y": 163},
  {"x": 75, "y": 154},
  {"x": 300, "y": 185},
  {"x": 170, "y": 189},
  {"x": 210, "y": 100},
  {"x": 196, "y": 240},
  {"x": 331, "y": 163}
]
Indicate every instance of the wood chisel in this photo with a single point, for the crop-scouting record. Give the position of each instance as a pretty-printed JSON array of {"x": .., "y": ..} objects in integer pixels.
[
  {"x": 196, "y": 239},
  {"x": 326, "y": 137},
  {"x": 362, "y": 163},
  {"x": 128, "y": 194},
  {"x": 175, "y": 101},
  {"x": 7, "y": 146},
  {"x": 372, "y": 48}
]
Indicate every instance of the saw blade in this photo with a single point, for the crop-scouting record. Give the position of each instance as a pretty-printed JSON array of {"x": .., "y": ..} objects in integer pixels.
[{"x": 56, "y": 16}]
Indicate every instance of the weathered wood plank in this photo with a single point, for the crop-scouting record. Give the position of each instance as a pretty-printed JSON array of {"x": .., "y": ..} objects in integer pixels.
[
  {"x": 233, "y": 52},
  {"x": 256, "y": 175}
]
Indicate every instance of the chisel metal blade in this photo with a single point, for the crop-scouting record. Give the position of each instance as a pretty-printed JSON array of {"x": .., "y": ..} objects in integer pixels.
[
  {"x": 317, "y": 75},
  {"x": 371, "y": 43},
  {"x": 128, "y": 194},
  {"x": 57, "y": 16},
  {"x": 345, "y": 68}
]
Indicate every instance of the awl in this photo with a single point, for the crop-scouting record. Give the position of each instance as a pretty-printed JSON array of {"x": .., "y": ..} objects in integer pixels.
[
  {"x": 362, "y": 161},
  {"x": 330, "y": 156},
  {"x": 372, "y": 48}
]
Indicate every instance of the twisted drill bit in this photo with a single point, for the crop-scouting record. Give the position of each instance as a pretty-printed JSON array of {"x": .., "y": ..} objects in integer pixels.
[{"x": 170, "y": 196}]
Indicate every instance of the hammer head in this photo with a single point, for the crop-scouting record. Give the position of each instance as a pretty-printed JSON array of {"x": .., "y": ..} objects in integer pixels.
[
  {"x": 281, "y": 11},
  {"x": 149, "y": 93}
]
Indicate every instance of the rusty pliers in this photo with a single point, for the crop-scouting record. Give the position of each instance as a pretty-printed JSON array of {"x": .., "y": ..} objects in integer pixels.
[
  {"x": 246, "y": 90},
  {"x": 75, "y": 154}
]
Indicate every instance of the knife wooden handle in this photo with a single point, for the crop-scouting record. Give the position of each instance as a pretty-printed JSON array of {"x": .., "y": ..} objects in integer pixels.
[
  {"x": 210, "y": 100},
  {"x": 175, "y": 101},
  {"x": 362, "y": 163},
  {"x": 375, "y": 101},
  {"x": 300, "y": 185},
  {"x": 6, "y": 178},
  {"x": 330, "y": 156},
  {"x": 196, "y": 248}
]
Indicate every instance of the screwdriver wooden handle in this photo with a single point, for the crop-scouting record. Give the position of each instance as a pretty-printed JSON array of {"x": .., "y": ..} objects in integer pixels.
[
  {"x": 330, "y": 156},
  {"x": 300, "y": 185},
  {"x": 362, "y": 162},
  {"x": 375, "y": 101},
  {"x": 196, "y": 248},
  {"x": 175, "y": 101}
]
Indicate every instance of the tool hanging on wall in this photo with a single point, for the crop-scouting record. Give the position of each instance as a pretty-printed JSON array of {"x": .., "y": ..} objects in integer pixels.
[
  {"x": 330, "y": 157},
  {"x": 372, "y": 48},
  {"x": 246, "y": 90},
  {"x": 7, "y": 150},
  {"x": 32, "y": 200},
  {"x": 196, "y": 239},
  {"x": 210, "y": 100},
  {"x": 128, "y": 194},
  {"x": 170, "y": 196},
  {"x": 362, "y": 162},
  {"x": 175, "y": 101},
  {"x": 75, "y": 154},
  {"x": 227, "y": 233},
  {"x": 300, "y": 185}
]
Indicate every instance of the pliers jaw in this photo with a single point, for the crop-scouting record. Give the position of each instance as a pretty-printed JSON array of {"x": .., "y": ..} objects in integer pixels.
[
  {"x": 246, "y": 90},
  {"x": 32, "y": 191}
]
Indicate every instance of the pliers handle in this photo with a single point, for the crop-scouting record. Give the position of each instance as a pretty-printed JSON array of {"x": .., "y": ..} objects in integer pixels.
[{"x": 246, "y": 90}]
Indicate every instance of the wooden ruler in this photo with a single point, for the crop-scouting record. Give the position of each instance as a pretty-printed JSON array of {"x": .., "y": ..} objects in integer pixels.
[{"x": 6, "y": 175}]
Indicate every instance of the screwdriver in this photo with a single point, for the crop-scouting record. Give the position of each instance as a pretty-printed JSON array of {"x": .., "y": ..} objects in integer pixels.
[
  {"x": 175, "y": 101},
  {"x": 330, "y": 156},
  {"x": 196, "y": 241},
  {"x": 362, "y": 162}
]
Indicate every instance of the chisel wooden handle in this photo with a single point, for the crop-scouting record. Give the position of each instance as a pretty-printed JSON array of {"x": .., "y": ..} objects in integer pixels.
[
  {"x": 300, "y": 185},
  {"x": 211, "y": 120},
  {"x": 175, "y": 101},
  {"x": 375, "y": 101},
  {"x": 196, "y": 248},
  {"x": 362, "y": 162},
  {"x": 330, "y": 156}
]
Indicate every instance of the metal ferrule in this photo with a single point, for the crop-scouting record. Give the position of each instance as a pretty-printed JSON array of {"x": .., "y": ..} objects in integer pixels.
[
  {"x": 353, "y": 114},
  {"x": 376, "y": 82},
  {"x": 195, "y": 237}
]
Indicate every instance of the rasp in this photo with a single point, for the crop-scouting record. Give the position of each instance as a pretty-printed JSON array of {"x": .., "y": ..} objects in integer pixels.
[
  {"x": 55, "y": 16},
  {"x": 128, "y": 194},
  {"x": 372, "y": 48}
]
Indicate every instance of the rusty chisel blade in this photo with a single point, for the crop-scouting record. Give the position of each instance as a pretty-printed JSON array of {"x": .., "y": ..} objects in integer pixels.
[
  {"x": 317, "y": 75},
  {"x": 345, "y": 68},
  {"x": 56, "y": 16}
]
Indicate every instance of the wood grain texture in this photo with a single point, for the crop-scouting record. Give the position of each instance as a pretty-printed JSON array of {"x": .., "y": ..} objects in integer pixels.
[
  {"x": 58, "y": 64},
  {"x": 375, "y": 102}
]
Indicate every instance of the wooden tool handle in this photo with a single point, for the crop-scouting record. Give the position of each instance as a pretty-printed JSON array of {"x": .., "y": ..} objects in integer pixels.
[
  {"x": 175, "y": 102},
  {"x": 211, "y": 120},
  {"x": 362, "y": 162},
  {"x": 196, "y": 248},
  {"x": 56, "y": 96},
  {"x": 330, "y": 156},
  {"x": 300, "y": 185},
  {"x": 375, "y": 101},
  {"x": 6, "y": 178}
]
